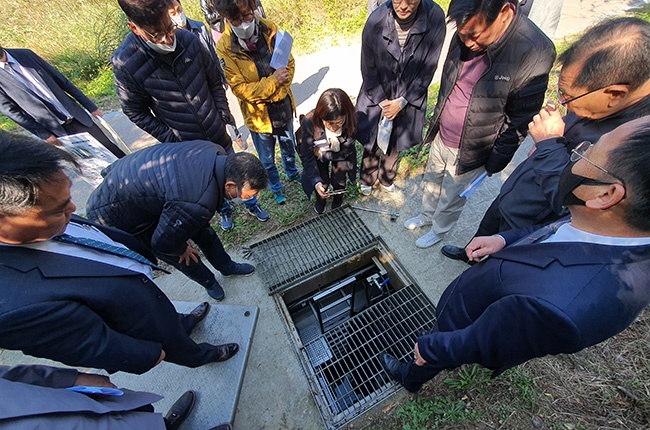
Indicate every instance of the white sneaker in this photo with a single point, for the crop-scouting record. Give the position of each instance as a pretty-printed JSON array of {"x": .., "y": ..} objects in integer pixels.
[
  {"x": 415, "y": 222},
  {"x": 389, "y": 189},
  {"x": 366, "y": 190},
  {"x": 427, "y": 240}
]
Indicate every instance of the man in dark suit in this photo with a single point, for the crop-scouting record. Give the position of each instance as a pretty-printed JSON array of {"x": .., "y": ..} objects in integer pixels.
[
  {"x": 40, "y": 397},
  {"x": 551, "y": 290},
  {"x": 40, "y": 99},
  {"x": 75, "y": 292}
]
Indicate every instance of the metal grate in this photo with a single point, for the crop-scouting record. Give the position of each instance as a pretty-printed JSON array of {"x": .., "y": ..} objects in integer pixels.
[
  {"x": 295, "y": 254},
  {"x": 352, "y": 380}
]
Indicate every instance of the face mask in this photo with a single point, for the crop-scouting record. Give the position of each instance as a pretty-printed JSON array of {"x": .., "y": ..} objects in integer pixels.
[
  {"x": 333, "y": 139},
  {"x": 239, "y": 200},
  {"x": 569, "y": 182},
  {"x": 179, "y": 20},
  {"x": 160, "y": 48},
  {"x": 245, "y": 30}
]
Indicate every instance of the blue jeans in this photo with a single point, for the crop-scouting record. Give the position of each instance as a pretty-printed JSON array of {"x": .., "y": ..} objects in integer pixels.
[
  {"x": 265, "y": 147},
  {"x": 227, "y": 207}
]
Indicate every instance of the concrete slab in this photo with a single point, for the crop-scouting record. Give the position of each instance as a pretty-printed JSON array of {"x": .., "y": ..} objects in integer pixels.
[{"x": 217, "y": 385}]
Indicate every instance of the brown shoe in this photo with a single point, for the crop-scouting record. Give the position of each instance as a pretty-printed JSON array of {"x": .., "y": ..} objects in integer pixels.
[
  {"x": 226, "y": 351},
  {"x": 180, "y": 410}
]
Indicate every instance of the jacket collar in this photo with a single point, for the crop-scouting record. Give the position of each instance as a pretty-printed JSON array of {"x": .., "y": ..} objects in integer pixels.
[
  {"x": 267, "y": 30},
  {"x": 389, "y": 33}
]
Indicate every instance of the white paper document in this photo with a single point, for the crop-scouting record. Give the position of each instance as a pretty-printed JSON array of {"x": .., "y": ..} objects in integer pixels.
[
  {"x": 91, "y": 155},
  {"x": 283, "y": 44}
]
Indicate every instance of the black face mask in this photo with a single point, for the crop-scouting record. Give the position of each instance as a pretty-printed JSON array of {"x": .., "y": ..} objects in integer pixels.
[{"x": 569, "y": 182}]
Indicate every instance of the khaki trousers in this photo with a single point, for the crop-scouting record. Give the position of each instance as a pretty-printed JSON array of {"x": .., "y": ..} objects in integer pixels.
[{"x": 441, "y": 203}]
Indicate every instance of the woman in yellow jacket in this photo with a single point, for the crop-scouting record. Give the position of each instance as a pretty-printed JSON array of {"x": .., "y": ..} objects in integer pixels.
[{"x": 264, "y": 93}]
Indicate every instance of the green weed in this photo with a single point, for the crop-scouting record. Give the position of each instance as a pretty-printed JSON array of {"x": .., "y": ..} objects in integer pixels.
[
  {"x": 469, "y": 377},
  {"x": 421, "y": 414}
]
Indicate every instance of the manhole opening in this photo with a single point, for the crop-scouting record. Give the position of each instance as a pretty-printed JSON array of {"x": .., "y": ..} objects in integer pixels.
[{"x": 341, "y": 317}]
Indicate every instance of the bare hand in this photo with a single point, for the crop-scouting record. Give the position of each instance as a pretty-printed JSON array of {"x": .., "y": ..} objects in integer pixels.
[
  {"x": 322, "y": 190},
  {"x": 481, "y": 246},
  {"x": 390, "y": 108},
  {"x": 189, "y": 254},
  {"x": 90, "y": 380},
  {"x": 52, "y": 140},
  {"x": 419, "y": 361},
  {"x": 162, "y": 357},
  {"x": 547, "y": 124},
  {"x": 98, "y": 113},
  {"x": 282, "y": 75}
]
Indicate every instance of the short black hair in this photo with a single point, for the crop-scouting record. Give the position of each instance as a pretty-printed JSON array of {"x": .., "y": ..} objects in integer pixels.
[
  {"x": 26, "y": 162},
  {"x": 246, "y": 169},
  {"x": 629, "y": 162},
  {"x": 616, "y": 51},
  {"x": 229, "y": 9},
  {"x": 461, "y": 11},
  {"x": 145, "y": 12},
  {"x": 334, "y": 103}
]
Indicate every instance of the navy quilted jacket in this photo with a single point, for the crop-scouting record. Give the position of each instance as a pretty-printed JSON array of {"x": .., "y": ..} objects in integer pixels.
[
  {"x": 174, "y": 97},
  {"x": 176, "y": 188}
]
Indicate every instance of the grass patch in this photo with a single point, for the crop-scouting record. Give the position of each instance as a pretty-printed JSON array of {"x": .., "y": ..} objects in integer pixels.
[{"x": 434, "y": 413}]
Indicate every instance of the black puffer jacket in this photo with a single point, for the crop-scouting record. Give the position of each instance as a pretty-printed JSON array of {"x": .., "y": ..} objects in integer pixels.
[
  {"x": 174, "y": 97},
  {"x": 176, "y": 188},
  {"x": 505, "y": 98}
]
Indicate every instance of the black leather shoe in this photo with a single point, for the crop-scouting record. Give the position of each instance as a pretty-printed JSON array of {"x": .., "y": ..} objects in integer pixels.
[
  {"x": 237, "y": 269},
  {"x": 180, "y": 410},
  {"x": 454, "y": 252},
  {"x": 196, "y": 316},
  {"x": 391, "y": 365},
  {"x": 216, "y": 292},
  {"x": 226, "y": 351}
]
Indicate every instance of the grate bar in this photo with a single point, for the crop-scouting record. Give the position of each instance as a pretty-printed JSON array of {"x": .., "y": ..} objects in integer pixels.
[
  {"x": 353, "y": 378},
  {"x": 303, "y": 250}
]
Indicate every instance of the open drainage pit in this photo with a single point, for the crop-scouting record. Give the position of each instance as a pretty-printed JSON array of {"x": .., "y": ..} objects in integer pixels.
[{"x": 344, "y": 299}]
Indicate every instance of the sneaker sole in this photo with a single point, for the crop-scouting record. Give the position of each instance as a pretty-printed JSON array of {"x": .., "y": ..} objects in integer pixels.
[
  {"x": 230, "y": 276},
  {"x": 427, "y": 245}
]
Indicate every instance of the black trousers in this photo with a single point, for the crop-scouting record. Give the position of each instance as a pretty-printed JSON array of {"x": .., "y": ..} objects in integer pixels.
[{"x": 377, "y": 165}]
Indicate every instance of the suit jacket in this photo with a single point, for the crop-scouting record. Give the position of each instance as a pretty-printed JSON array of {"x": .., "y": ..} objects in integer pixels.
[
  {"x": 32, "y": 112},
  {"x": 528, "y": 301},
  {"x": 35, "y": 397},
  {"x": 89, "y": 314}
]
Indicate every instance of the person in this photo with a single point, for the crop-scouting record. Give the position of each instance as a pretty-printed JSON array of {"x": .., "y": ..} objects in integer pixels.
[
  {"x": 173, "y": 104},
  {"x": 40, "y": 99},
  {"x": 216, "y": 22},
  {"x": 36, "y": 396},
  {"x": 400, "y": 48},
  {"x": 328, "y": 138},
  {"x": 76, "y": 292},
  {"x": 177, "y": 14},
  {"x": 264, "y": 93},
  {"x": 559, "y": 289},
  {"x": 603, "y": 86},
  {"x": 166, "y": 195},
  {"x": 493, "y": 83}
]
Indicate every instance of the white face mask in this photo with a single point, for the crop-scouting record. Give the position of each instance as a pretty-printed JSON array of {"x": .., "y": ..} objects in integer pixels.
[
  {"x": 245, "y": 30},
  {"x": 179, "y": 20},
  {"x": 160, "y": 48},
  {"x": 238, "y": 200}
]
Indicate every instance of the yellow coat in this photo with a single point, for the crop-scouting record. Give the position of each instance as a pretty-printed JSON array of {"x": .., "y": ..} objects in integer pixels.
[{"x": 252, "y": 92}]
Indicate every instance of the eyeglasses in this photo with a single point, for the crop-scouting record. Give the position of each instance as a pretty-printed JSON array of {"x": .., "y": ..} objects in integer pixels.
[
  {"x": 338, "y": 123},
  {"x": 579, "y": 153},
  {"x": 562, "y": 97},
  {"x": 162, "y": 35},
  {"x": 247, "y": 17}
]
